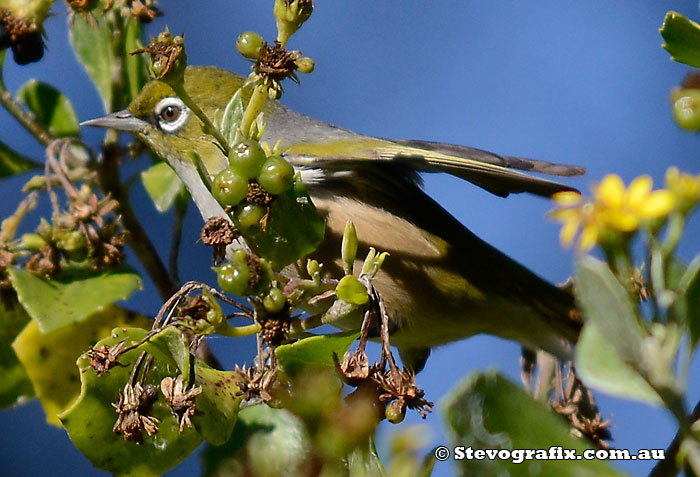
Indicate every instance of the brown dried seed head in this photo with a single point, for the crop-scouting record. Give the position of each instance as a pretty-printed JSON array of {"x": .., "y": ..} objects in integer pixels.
[
  {"x": 218, "y": 233},
  {"x": 257, "y": 195}
]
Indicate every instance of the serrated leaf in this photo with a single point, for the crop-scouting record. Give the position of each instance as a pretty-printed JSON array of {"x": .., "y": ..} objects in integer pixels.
[
  {"x": 51, "y": 108},
  {"x": 600, "y": 367},
  {"x": 69, "y": 299},
  {"x": 294, "y": 228},
  {"x": 605, "y": 302},
  {"x": 12, "y": 162},
  {"x": 162, "y": 185},
  {"x": 314, "y": 351},
  {"x": 351, "y": 290},
  {"x": 681, "y": 39},
  {"x": 90, "y": 419},
  {"x": 232, "y": 117},
  {"x": 15, "y": 385},
  {"x": 486, "y": 411},
  {"x": 218, "y": 405},
  {"x": 265, "y": 441},
  {"x": 49, "y": 359}
]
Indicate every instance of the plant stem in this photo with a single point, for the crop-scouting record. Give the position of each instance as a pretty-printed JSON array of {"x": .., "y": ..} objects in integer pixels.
[
  {"x": 237, "y": 331},
  {"x": 137, "y": 239},
  {"x": 669, "y": 466},
  {"x": 257, "y": 99},
  {"x": 208, "y": 125},
  {"x": 24, "y": 117},
  {"x": 178, "y": 222}
]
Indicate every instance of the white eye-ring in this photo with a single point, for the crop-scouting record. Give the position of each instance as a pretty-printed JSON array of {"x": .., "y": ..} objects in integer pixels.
[{"x": 171, "y": 114}]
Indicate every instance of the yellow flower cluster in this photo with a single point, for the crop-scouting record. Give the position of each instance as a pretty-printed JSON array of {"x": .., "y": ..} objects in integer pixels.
[{"x": 615, "y": 210}]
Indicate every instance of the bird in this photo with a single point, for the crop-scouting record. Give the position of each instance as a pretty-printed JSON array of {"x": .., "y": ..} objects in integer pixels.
[{"x": 441, "y": 283}]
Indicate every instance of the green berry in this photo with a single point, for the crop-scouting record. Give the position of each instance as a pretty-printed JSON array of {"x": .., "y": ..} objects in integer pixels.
[
  {"x": 74, "y": 246},
  {"x": 274, "y": 301},
  {"x": 247, "y": 158},
  {"x": 276, "y": 176},
  {"x": 395, "y": 412},
  {"x": 229, "y": 187},
  {"x": 305, "y": 65},
  {"x": 250, "y": 215},
  {"x": 32, "y": 242},
  {"x": 233, "y": 277},
  {"x": 686, "y": 109},
  {"x": 249, "y": 44}
]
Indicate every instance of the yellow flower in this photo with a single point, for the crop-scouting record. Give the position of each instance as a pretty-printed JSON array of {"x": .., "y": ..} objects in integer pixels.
[
  {"x": 623, "y": 210},
  {"x": 578, "y": 217},
  {"x": 613, "y": 210},
  {"x": 684, "y": 187}
]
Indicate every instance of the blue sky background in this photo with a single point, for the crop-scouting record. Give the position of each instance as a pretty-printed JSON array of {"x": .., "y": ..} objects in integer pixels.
[{"x": 577, "y": 82}]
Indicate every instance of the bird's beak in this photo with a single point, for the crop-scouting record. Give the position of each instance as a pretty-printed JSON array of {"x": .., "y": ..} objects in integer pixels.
[{"x": 121, "y": 120}]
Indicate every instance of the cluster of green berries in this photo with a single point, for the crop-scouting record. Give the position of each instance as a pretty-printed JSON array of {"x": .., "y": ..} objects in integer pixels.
[
  {"x": 251, "y": 45},
  {"x": 72, "y": 244},
  {"x": 248, "y": 162},
  {"x": 246, "y": 275}
]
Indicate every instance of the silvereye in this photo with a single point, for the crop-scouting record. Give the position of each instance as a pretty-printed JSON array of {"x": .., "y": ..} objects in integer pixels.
[{"x": 441, "y": 283}]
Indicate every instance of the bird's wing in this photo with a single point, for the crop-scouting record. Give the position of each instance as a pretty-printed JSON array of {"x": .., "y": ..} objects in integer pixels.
[
  {"x": 317, "y": 144},
  {"x": 489, "y": 171}
]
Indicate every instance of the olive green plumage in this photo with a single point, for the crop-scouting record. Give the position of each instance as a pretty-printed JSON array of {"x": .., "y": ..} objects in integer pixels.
[{"x": 441, "y": 283}]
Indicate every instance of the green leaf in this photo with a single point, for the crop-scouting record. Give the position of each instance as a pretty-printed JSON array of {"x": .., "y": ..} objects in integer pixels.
[
  {"x": 485, "y": 411},
  {"x": 50, "y": 358},
  {"x": 681, "y": 39},
  {"x": 93, "y": 47},
  {"x": 605, "y": 302},
  {"x": 51, "y": 108},
  {"x": 600, "y": 366},
  {"x": 690, "y": 289},
  {"x": 90, "y": 419},
  {"x": 170, "y": 346},
  {"x": 314, "y": 351},
  {"x": 351, "y": 290},
  {"x": 218, "y": 405},
  {"x": 135, "y": 69},
  {"x": 162, "y": 185},
  {"x": 364, "y": 461},
  {"x": 232, "y": 117},
  {"x": 70, "y": 298},
  {"x": 265, "y": 441},
  {"x": 293, "y": 230},
  {"x": 15, "y": 386},
  {"x": 12, "y": 162}
]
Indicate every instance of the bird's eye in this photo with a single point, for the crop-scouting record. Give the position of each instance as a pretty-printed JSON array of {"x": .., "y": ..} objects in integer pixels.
[{"x": 171, "y": 114}]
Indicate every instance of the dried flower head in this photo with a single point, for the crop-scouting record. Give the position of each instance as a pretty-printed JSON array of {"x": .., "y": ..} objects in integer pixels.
[
  {"x": 180, "y": 399},
  {"x": 218, "y": 233},
  {"x": 104, "y": 357},
  {"x": 401, "y": 385},
  {"x": 134, "y": 404}
]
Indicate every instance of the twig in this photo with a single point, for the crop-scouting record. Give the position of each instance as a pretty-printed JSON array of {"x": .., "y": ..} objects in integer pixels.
[
  {"x": 24, "y": 117},
  {"x": 669, "y": 466},
  {"x": 137, "y": 239},
  {"x": 178, "y": 222}
]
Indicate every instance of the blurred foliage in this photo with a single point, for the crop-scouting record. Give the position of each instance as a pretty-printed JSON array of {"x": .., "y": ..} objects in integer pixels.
[{"x": 145, "y": 401}]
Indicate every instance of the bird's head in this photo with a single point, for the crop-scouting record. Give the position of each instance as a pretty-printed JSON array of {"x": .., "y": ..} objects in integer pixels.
[{"x": 161, "y": 119}]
